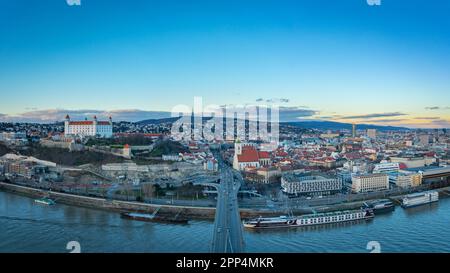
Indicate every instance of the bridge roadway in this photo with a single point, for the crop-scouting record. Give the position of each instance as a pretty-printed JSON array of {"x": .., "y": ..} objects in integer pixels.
[{"x": 227, "y": 236}]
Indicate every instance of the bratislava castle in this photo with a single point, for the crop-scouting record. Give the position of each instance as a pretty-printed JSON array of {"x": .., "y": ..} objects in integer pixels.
[{"x": 88, "y": 127}]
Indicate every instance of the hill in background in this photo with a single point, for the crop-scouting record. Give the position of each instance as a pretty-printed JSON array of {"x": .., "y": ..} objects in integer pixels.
[
  {"x": 167, "y": 147},
  {"x": 321, "y": 125}
]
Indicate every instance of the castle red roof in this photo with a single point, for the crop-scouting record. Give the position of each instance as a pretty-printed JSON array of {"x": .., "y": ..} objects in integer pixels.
[
  {"x": 81, "y": 123},
  {"x": 88, "y": 122}
]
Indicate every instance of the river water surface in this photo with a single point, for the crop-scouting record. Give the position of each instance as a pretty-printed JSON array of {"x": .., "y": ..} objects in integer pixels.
[{"x": 29, "y": 227}]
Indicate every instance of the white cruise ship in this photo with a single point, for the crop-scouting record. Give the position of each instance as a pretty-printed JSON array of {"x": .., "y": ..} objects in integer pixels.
[
  {"x": 421, "y": 198},
  {"x": 309, "y": 220}
]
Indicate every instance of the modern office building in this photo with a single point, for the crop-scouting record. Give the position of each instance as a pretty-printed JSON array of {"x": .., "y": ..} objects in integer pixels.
[
  {"x": 407, "y": 180},
  {"x": 353, "y": 130},
  {"x": 311, "y": 185},
  {"x": 372, "y": 133},
  {"x": 424, "y": 140},
  {"x": 387, "y": 168}
]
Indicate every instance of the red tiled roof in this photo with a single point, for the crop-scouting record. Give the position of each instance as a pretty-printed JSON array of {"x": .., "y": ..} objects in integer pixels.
[
  {"x": 81, "y": 123},
  {"x": 248, "y": 155},
  {"x": 88, "y": 122},
  {"x": 263, "y": 154},
  {"x": 353, "y": 155}
]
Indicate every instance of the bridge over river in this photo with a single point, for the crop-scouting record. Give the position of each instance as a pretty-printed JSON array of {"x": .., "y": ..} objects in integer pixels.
[{"x": 227, "y": 236}]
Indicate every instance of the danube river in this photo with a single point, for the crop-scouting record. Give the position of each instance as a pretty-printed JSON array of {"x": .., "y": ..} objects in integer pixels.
[{"x": 28, "y": 227}]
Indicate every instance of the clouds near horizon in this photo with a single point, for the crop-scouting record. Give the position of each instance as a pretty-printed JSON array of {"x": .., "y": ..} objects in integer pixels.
[
  {"x": 286, "y": 114},
  {"x": 54, "y": 115},
  {"x": 376, "y": 115},
  {"x": 437, "y": 108},
  {"x": 291, "y": 113}
]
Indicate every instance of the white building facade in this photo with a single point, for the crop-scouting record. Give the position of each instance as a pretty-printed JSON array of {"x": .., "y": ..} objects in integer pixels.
[
  {"x": 370, "y": 182},
  {"x": 88, "y": 128},
  {"x": 408, "y": 180},
  {"x": 310, "y": 185}
]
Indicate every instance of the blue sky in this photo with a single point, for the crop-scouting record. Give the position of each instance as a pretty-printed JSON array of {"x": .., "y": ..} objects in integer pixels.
[{"x": 337, "y": 60}]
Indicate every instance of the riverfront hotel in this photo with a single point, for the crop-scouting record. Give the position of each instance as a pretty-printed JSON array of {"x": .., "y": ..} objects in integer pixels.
[
  {"x": 310, "y": 185},
  {"x": 370, "y": 182}
]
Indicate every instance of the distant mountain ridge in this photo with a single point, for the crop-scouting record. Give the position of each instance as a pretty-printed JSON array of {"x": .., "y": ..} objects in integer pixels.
[
  {"x": 321, "y": 125},
  {"x": 333, "y": 125},
  {"x": 157, "y": 121}
]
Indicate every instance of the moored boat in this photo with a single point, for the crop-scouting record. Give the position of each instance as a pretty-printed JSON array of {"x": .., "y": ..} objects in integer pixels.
[
  {"x": 153, "y": 218},
  {"x": 309, "y": 219},
  {"x": 380, "y": 206},
  {"x": 420, "y": 198},
  {"x": 45, "y": 201}
]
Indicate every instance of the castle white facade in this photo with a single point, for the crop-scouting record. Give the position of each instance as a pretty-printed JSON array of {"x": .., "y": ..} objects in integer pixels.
[{"x": 88, "y": 128}]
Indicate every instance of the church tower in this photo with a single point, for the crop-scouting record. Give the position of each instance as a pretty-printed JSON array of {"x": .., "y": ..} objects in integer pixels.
[
  {"x": 66, "y": 125},
  {"x": 94, "y": 123},
  {"x": 237, "y": 147},
  {"x": 237, "y": 152}
]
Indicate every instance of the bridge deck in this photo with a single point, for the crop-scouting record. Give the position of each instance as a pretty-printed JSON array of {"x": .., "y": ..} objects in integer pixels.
[{"x": 227, "y": 236}]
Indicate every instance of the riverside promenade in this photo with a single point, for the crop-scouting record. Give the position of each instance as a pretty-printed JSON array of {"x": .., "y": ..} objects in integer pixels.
[{"x": 194, "y": 212}]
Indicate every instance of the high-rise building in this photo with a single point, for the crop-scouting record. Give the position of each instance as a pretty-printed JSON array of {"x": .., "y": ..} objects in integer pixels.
[
  {"x": 353, "y": 130},
  {"x": 436, "y": 135},
  {"x": 372, "y": 133},
  {"x": 424, "y": 140}
]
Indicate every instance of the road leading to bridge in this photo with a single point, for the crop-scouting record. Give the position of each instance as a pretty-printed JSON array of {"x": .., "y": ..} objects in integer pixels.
[{"x": 227, "y": 237}]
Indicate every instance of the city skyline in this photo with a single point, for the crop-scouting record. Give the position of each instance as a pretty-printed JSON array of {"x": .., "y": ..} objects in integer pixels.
[{"x": 339, "y": 61}]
